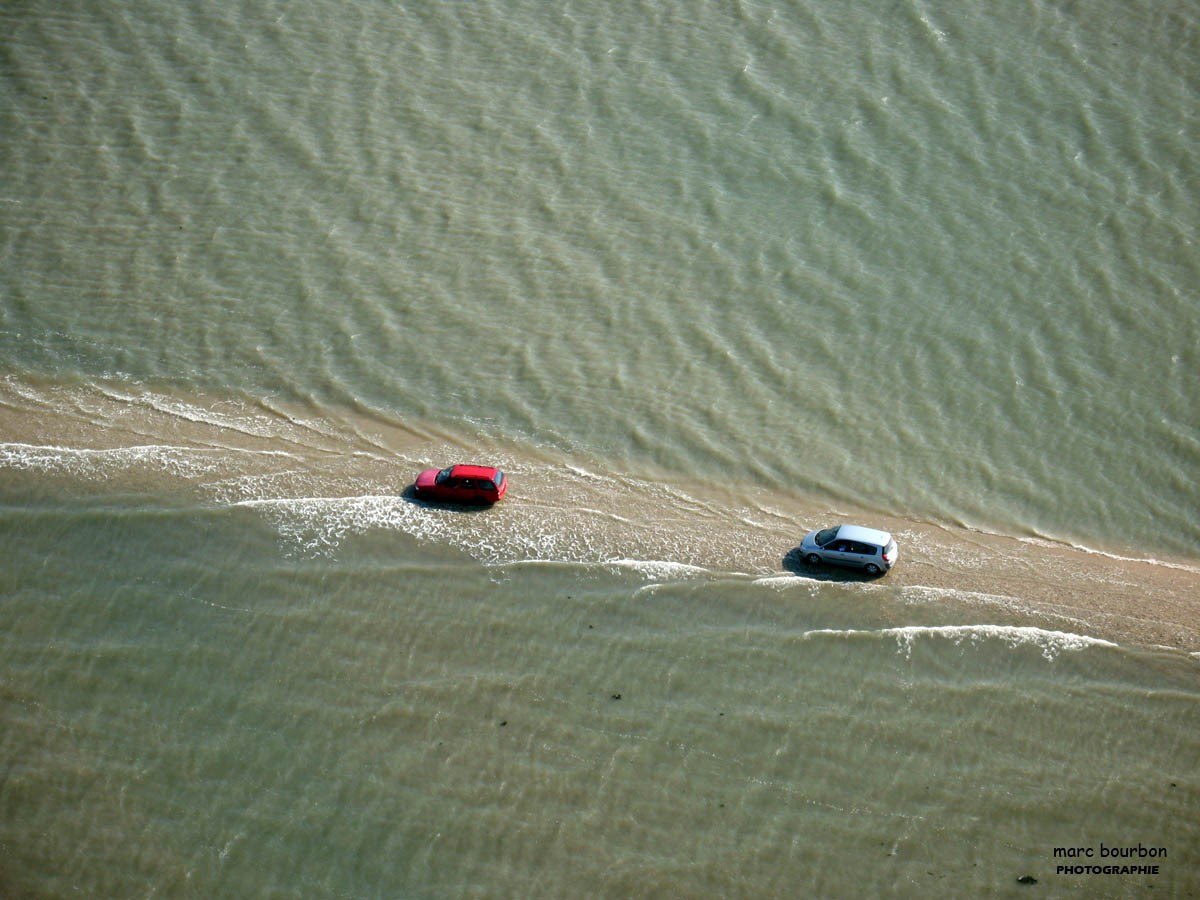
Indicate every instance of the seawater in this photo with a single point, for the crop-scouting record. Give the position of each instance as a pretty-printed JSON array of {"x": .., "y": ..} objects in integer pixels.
[{"x": 699, "y": 279}]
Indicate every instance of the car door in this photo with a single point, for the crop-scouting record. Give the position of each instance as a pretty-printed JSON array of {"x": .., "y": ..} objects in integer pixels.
[
  {"x": 486, "y": 491},
  {"x": 451, "y": 490},
  {"x": 839, "y": 552},
  {"x": 443, "y": 486},
  {"x": 863, "y": 554},
  {"x": 479, "y": 492}
]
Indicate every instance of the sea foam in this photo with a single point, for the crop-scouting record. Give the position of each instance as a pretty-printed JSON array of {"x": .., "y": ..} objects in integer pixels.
[
  {"x": 1051, "y": 643},
  {"x": 98, "y": 463}
]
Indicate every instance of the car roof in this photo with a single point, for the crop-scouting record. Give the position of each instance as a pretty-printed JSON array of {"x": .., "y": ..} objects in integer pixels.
[
  {"x": 461, "y": 471},
  {"x": 866, "y": 535}
]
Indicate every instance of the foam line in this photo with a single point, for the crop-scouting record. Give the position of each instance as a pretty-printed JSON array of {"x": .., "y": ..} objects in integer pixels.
[
  {"x": 183, "y": 461},
  {"x": 659, "y": 568},
  {"x": 1082, "y": 548},
  {"x": 1051, "y": 642},
  {"x": 253, "y": 425}
]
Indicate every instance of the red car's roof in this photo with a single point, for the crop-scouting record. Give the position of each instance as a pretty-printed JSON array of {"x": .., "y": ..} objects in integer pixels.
[{"x": 488, "y": 472}]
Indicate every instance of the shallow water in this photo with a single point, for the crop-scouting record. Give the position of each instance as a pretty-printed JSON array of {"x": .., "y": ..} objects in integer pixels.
[
  {"x": 185, "y": 717},
  {"x": 699, "y": 280}
]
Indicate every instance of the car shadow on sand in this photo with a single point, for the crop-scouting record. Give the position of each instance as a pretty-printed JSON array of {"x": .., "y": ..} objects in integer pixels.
[
  {"x": 409, "y": 494},
  {"x": 793, "y": 561}
]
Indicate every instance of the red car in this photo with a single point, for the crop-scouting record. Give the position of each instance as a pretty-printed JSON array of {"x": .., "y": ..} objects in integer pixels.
[{"x": 461, "y": 484}]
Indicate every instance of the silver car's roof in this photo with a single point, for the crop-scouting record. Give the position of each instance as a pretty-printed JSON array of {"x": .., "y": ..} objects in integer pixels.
[{"x": 865, "y": 535}]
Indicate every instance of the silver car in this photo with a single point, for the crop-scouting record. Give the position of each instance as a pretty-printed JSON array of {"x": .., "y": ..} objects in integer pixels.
[{"x": 851, "y": 545}]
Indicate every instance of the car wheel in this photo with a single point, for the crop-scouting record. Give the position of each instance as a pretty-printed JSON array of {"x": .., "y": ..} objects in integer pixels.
[
  {"x": 812, "y": 559},
  {"x": 872, "y": 569}
]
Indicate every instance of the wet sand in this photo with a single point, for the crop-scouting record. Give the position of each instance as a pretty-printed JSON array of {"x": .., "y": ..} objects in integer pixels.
[{"x": 322, "y": 477}]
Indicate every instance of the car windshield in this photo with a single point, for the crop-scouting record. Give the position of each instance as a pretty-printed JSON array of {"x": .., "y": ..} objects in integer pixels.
[
  {"x": 824, "y": 537},
  {"x": 444, "y": 475}
]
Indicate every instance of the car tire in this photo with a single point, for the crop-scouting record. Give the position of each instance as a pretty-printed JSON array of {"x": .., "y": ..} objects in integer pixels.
[
  {"x": 872, "y": 569},
  {"x": 812, "y": 559}
]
